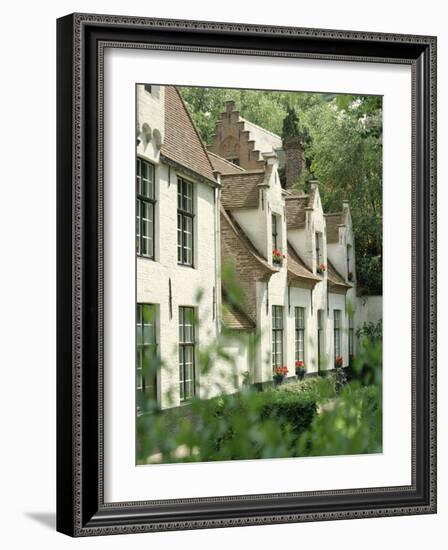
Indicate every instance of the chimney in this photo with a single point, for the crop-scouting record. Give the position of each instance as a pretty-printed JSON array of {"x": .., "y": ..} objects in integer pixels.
[
  {"x": 230, "y": 106},
  {"x": 294, "y": 161}
]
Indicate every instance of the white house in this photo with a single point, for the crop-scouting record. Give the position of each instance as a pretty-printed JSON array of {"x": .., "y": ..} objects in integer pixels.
[
  {"x": 177, "y": 233},
  {"x": 197, "y": 210}
]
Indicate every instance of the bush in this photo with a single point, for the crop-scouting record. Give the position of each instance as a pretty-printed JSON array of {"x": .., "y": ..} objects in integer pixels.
[
  {"x": 295, "y": 410},
  {"x": 352, "y": 426},
  {"x": 245, "y": 425},
  {"x": 320, "y": 388}
]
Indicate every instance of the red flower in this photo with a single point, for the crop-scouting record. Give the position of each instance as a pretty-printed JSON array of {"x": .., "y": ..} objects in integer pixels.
[
  {"x": 339, "y": 360},
  {"x": 300, "y": 364},
  {"x": 281, "y": 371}
]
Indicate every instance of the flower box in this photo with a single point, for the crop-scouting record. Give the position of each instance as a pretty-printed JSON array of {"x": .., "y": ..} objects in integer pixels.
[
  {"x": 300, "y": 370},
  {"x": 277, "y": 257}
]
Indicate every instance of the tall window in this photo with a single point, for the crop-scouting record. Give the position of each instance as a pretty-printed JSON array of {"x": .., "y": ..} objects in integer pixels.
[
  {"x": 300, "y": 333},
  {"x": 187, "y": 345},
  {"x": 146, "y": 365},
  {"x": 337, "y": 332},
  {"x": 274, "y": 233},
  {"x": 348, "y": 259},
  {"x": 185, "y": 217},
  {"x": 145, "y": 209},
  {"x": 351, "y": 341},
  {"x": 317, "y": 237},
  {"x": 320, "y": 337},
  {"x": 277, "y": 336}
]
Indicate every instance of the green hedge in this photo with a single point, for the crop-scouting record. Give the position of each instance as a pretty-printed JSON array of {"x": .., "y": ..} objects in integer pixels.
[
  {"x": 288, "y": 408},
  {"x": 253, "y": 425}
]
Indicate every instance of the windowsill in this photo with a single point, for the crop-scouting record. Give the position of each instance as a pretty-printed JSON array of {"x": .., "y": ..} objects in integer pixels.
[
  {"x": 187, "y": 266},
  {"x": 143, "y": 257}
]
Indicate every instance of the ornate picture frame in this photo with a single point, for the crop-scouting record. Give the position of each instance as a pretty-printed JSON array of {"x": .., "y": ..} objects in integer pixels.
[{"x": 81, "y": 42}]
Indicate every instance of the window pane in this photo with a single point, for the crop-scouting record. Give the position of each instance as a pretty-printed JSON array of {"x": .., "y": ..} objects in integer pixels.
[
  {"x": 188, "y": 240},
  {"x": 187, "y": 204},
  {"x": 138, "y": 174},
  {"x": 179, "y": 194},
  {"x": 147, "y": 213}
]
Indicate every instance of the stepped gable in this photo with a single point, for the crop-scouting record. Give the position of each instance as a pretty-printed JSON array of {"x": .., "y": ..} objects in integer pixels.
[{"x": 241, "y": 141}]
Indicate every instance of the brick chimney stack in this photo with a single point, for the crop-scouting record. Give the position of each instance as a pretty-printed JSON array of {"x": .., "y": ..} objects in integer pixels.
[{"x": 294, "y": 161}]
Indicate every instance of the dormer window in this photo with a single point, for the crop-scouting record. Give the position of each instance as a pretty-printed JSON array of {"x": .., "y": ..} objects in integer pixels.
[
  {"x": 274, "y": 233},
  {"x": 317, "y": 237},
  {"x": 349, "y": 271}
]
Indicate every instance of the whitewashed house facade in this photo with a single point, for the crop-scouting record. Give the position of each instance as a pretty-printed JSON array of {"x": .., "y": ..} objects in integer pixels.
[{"x": 227, "y": 205}]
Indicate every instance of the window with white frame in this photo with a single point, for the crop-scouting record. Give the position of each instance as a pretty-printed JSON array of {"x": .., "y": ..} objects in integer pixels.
[
  {"x": 300, "y": 333},
  {"x": 337, "y": 332},
  {"x": 146, "y": 350},
  {"x": 317, "y": 239},
  {"x": 351, "y": 336},
  {"x": 187, "y": 349},
  {"x": 145, "y": 209},
  {"x": 320, "y": 338},
  {"x": 277, "y": 336},
  {"x": 185, "y": 222},
  {"x": 275, "y": 239}
]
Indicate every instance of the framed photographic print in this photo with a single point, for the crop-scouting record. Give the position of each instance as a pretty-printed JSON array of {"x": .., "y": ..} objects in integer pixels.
[{"x": 246, "y": 274}]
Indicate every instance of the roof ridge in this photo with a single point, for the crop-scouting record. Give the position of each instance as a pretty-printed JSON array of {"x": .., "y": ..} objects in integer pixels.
[
  {"x": 260, "y": 127},
  {"x": 245, "y": 173},
  {"x": 194, "y": 128},
  {"x": 226, "y": 161},
  {"x": 295, "y": 197}
]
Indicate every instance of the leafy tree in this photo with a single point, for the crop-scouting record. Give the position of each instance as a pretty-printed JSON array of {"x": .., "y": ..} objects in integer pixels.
[{"x": 342, "y": 139}]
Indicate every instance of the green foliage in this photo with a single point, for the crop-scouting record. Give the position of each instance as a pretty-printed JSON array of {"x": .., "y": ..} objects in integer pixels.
[
  {"x": 237, "y": 426},
  {"x": 342, "y": 137},
  {"x": 314, "y": 417},
  {"x": 353, "y": 425},
  {"x": 371, "y": 331},
  {"x": 367, "y": 364},
  {"x": 319, "y": 388}
]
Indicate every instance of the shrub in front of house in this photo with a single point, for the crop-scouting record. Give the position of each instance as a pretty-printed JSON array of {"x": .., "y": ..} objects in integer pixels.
[
  {"x": 352, "y": 426},
  {"x": 319, "y": 388},
  {"x": 251, "y": 424},
  {"x": 292, "y": 409}
]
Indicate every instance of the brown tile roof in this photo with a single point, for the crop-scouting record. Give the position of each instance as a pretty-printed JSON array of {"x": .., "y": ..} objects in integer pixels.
[
  {"x": 297, "y": 270},
  {"x": 248, "y": 264},
  {"x": 240, "y": 190},
  {"x": 336, "y": 281},
  {"x": 295, "y": 210},
  {"x": 234, "y": 318},
  {"x": 333, "y": 221},
  {"x": 244, "y": 239},
  {"x": 223, "y": 166},
  {"x": 182, "y": 143}
]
